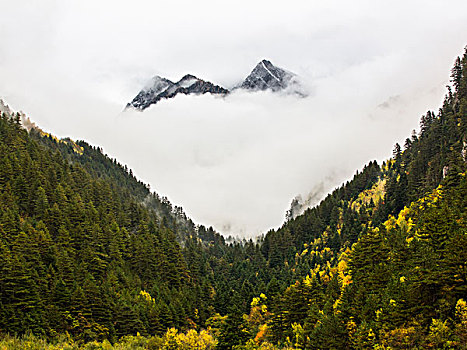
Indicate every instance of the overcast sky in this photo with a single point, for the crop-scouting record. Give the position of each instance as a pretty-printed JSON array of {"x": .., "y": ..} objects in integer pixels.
[{"x": 372, "y": 67}]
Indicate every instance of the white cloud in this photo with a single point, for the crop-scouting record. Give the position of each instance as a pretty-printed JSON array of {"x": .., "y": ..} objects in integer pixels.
[{"x": 238, "y": 162}]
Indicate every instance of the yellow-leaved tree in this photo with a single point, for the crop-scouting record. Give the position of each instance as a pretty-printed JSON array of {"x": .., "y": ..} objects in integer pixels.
[{"x": 173, "y": 340}]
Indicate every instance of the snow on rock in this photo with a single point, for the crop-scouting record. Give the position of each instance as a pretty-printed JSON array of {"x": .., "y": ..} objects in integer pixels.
[
  {"x": 266, "y": 76},
  {"x": 160, "y": 88},
  {"x": 150, "y": 93}
]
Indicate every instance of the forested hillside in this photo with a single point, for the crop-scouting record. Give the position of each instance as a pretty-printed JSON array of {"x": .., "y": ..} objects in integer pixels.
[
  {"x": 77, "y": 252},
  {"x": 90, "y": 252},
  {"x": 87, "y": 249}
]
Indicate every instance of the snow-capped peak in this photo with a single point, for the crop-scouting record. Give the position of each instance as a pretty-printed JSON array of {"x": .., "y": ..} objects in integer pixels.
[
  {"x": 157, "y": 84},
  {"x": 266, "y": 76},
  {"x": 160, "y": 88},
  {"x": 187, "y": 81}
]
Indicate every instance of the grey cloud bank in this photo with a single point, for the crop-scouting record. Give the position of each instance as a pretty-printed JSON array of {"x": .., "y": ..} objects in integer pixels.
[{"x": 237, "y": 162}]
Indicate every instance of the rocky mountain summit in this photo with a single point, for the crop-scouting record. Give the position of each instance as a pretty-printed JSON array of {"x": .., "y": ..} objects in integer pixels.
[
  {"x": 265, "y": 76},
  {"x": 160, "y": 88}
]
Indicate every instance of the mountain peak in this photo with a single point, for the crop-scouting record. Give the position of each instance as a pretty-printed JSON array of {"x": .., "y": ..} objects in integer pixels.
[
  {"x": 161, "y": 88},
  {"x": 188, "y": 76},
  {"x": 267, "y": 76}
]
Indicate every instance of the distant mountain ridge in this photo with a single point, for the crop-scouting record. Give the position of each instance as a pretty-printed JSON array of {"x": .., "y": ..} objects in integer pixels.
[
  {"x": 265, "y": 76},
  {"x": 163, "y": 88}
]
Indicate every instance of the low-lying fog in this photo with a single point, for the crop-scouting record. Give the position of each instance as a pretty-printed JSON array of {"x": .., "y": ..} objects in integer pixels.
[{"x": 236, "y": 162}]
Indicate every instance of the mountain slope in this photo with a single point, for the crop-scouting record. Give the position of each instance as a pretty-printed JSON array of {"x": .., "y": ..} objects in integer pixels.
[
  {"x": 114, "y": 259},
  {"x": 150, "y": 93},
  {"x": 385, "y": 269},
  {"x": 84, "y": 245},
  {"x": 119, "y": 177}
]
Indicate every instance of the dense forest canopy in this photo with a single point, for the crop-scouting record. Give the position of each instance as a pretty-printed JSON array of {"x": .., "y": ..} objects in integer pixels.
[{"x": 90, "y": 257}]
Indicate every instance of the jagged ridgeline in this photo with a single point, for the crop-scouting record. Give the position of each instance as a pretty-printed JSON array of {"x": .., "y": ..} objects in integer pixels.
[
  {"x": 87, "y": 250},
  {"x": 265, "y": 76}
]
